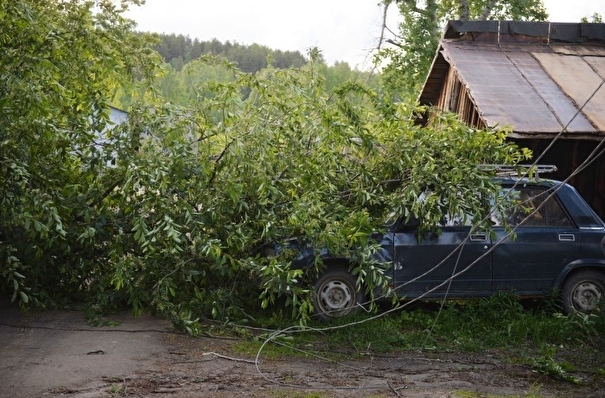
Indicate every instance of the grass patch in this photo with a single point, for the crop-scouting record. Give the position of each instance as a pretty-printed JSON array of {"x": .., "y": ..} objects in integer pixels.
[
  {"x": 475, "y": 394},
  {"x": 290, "y": 394},
  {"x": 473, "y": 326},
  {"x": 540, "y": 337}
]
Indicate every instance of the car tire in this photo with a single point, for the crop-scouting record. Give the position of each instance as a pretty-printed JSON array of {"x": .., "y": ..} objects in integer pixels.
[
  {"x": 584, "y": 291},
  {"x": 335, "y": 294}
]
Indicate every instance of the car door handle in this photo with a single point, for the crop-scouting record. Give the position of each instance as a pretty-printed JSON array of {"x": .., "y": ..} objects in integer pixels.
[
  {"x": 478, "y": 237},
  {"x": 567, "y": 237}
]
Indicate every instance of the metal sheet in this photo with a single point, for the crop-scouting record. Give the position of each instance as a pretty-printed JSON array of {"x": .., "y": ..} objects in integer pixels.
[
  {"x": 596, "y": 108},
  {"x": 499, "y": 90},
  {"x": 563, "y": 108},
  {"x": 578, "y": 79},
  {"x": 515, "y": 85},
  {"x": 583, "y": 50}
]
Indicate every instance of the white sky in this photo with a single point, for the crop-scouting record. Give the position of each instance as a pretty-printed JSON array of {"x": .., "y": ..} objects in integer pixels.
[{"x": 344, "y": 30}]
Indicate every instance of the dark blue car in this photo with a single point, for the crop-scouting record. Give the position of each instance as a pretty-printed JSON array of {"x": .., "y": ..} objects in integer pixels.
[{"x": 549, "y": 241}]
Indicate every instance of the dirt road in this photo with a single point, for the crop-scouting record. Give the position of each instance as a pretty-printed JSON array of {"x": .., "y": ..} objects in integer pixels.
[{"x": 55, "y": 353}]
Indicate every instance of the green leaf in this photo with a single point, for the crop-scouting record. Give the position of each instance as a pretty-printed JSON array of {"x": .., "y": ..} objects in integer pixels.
[{"x": 24, "y": 297}]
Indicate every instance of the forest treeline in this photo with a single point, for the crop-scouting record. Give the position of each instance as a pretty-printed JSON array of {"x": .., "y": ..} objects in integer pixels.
[
  {"x": 184, "y": 81},
  {"x": 177, "y": 50}
]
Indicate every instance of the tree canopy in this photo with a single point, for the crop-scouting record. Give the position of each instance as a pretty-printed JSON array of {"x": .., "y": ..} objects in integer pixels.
[
  {"x": 60, "y": 62},
  {"x": 174, "y": 221}
]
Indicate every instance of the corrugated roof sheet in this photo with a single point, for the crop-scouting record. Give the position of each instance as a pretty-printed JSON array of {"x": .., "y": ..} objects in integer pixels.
[{"x": 539, "y": 87}]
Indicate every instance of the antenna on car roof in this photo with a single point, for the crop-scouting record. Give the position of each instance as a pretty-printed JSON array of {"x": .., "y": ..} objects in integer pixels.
[{"x": 529, "y": 170}]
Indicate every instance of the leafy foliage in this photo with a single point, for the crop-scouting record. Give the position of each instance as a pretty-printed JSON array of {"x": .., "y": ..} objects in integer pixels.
[
  {"x": 595, "y": 18},
  {"x": 183, "y": 84},
  {"x": 175, "y": 222},
  {"x": 213, "y": 182},
  {"x": 59, "y": 62}
]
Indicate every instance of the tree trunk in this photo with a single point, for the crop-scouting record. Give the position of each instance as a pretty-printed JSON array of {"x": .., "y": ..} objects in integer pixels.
[
  {"x": 487, "y": 10},
  {"x": 433, "y": 18},
  {"x": 463, "y": 10}
]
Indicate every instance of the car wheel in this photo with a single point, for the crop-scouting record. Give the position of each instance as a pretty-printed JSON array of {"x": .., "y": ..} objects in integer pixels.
[
  {"x": 335, "y": 294},
  {"x": 584, "y": 291}
]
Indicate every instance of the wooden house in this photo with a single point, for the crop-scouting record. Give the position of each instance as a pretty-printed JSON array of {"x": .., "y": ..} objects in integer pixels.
[{"x": 545, "y": 80}]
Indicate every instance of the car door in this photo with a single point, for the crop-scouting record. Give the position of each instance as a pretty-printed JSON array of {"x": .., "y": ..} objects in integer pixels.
[
  {"x": 542, "y": 242},
  {"x": 426, "y": 264}
]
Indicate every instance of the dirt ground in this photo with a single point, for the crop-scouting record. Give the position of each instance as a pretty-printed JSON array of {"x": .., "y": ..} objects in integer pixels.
[{"x": 56, "y": 354}]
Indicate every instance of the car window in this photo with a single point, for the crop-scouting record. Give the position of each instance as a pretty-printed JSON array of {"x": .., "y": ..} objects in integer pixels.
[
  {"x": 554, "y": 213},
  {"x": 456, "y": 220},
  {"x": 532, "y": 207}
]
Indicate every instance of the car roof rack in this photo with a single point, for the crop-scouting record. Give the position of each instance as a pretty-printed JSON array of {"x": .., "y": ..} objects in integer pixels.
[{"x": 531, "y": 170}]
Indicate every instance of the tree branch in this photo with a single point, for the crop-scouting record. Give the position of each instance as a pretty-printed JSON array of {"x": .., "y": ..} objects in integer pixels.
[
  {"x": 394, "y": 43},
  {"x": 463, "y": 10}
]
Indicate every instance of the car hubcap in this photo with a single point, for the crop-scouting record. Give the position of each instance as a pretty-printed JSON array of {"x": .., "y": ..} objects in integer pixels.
[
  {"x": 335, "y": 296},
  {"x": 586, "y": 297}
]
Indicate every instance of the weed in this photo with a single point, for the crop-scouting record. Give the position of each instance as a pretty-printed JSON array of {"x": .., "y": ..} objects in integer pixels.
[
  {"x": 547, "y": 364},
  {"x": 96, "y": 317},
  {"x": 115, "y": 389},
  {"x": 279, "y": 346}
]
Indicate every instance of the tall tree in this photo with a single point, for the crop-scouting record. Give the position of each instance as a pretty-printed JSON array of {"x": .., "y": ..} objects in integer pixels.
[{"x": 421, "y": 27}]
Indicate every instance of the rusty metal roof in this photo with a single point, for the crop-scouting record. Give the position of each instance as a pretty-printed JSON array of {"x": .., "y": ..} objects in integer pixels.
[{"x": 539, "y": 78}]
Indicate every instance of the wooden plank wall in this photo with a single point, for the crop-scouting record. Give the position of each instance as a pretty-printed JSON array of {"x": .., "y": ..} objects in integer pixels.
[
  {"x": 568, "y": 155},
  {"x": 456, "y": 98}
]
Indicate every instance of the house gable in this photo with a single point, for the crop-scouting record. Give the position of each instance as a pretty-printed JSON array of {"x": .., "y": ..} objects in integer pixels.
[
  {"x": 538, "y": 78},
  {"x": 544, "y": 80}
]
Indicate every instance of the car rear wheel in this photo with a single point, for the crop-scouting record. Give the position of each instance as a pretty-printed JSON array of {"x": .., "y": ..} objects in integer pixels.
[
  {"x": 335, "y": 294},
  {"x": 584, "y": 291}
]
